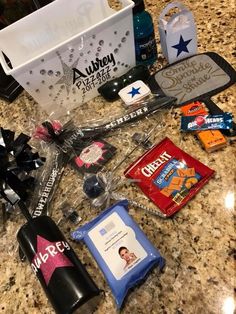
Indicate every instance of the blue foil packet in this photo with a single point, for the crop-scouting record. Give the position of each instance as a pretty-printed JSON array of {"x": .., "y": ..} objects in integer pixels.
[
  {"x": 207, "y": 122},
  {"x": 120, "y": 248}
]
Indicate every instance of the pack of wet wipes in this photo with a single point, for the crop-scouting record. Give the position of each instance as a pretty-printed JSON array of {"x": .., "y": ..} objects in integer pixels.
[{"x": 120, "y": 248}]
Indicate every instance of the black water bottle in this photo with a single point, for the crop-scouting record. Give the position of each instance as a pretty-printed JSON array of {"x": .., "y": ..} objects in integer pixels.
[{"x": 64, "y": 279}]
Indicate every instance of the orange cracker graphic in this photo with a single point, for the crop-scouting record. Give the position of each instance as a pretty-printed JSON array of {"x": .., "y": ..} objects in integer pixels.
[
  {"x": 191, "y": 182},
  {"x": 167, "y": 191},
  {"x": 176, "y": 183},
  {"x": 189, "y": 172}
]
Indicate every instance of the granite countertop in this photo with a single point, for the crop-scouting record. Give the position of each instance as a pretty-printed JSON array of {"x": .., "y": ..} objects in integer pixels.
[{"x": 198, "y": 243}]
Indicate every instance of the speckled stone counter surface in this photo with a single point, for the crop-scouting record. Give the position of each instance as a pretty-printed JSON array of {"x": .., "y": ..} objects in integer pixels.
[{"x": 198, "y": 243}]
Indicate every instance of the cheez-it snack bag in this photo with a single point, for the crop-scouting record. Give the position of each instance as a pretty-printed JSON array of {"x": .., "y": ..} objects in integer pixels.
[{"x": 169, "y": 176}]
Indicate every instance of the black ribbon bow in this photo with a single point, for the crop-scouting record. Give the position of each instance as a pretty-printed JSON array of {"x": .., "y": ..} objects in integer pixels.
[
  {"x": 68, "y": 138},
  {"x": 16, "y": 162}
]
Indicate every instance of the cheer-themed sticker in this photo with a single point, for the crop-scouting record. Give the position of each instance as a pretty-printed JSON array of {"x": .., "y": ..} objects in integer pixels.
[{"x": 94, "y": 156}]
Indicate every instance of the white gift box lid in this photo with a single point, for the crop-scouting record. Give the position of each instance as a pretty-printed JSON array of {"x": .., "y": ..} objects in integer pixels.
[{"x": 134, "y": 92}]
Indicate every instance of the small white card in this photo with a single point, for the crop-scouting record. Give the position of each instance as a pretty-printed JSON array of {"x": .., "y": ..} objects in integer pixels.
[{"x": 134, "y": 92}]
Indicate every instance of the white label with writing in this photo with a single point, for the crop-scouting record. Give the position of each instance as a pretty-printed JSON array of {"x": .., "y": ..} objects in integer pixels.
[{"x": 117, "y": 244}]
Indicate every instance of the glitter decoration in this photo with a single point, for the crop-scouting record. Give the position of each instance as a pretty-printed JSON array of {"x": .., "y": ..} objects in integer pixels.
[
  {"x": 95, "y": 46},
  {"x": 67, "y": 77}
]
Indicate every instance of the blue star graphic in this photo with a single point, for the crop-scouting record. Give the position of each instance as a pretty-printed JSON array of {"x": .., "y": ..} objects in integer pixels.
[
  {"x": 182, "y": 45},
  {"x": 134, "y": 91}
]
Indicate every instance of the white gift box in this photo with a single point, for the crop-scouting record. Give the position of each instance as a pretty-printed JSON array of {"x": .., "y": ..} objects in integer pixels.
[
  {"x": 178, "y": 34},
  {"x": 64, "y": 51}
]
